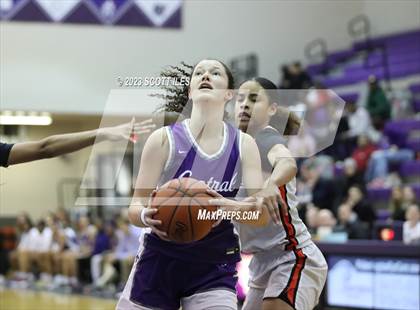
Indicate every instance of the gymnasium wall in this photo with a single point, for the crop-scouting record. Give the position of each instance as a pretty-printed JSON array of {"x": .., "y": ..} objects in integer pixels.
[
  {"x": 33, "y": 187},
  {"x": 71, "y": 68},
  {"x": 392, "y": 16}
]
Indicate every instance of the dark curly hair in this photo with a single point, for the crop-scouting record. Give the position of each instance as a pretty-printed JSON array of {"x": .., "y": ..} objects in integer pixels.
[{"x": 176, "y": 96}]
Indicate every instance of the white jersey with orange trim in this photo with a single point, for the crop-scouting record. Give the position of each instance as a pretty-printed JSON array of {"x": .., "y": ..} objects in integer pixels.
[
  {"x": 286, "y": 264},
  {"x": 292, "y": 232}
]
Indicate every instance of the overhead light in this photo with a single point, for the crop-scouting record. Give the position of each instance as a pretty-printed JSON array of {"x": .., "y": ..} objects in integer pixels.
[{"x": 22, "y": 118}]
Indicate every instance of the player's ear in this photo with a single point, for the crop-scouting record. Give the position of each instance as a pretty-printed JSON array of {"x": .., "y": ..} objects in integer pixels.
[
  {"x": 272, "y": 110},
  {"x": 229, "y": 95}
]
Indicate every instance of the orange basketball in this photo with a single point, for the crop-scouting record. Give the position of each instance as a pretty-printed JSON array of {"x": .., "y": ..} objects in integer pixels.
[{"x": 178, "y": 203}]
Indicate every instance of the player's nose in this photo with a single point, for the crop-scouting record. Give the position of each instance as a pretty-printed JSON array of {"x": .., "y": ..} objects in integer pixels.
[{"x": 205, "y": 76}]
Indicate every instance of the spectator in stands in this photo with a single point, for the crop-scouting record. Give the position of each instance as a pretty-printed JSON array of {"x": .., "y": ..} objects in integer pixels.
[
  {"x": 377, "y": 105},
  {"x": 57, "y": 248},
  {"x": 411, "y": 227},
  {"x": 349, "y": 222},
  {"x": 351, "y": 177},
  {"x": 359, "y": 123},
  {"x": 71, "y": 258},
  {"x": 23, "y": 257},
  {"x": 378, "y": 166},
  {"x": 314, "y": 187},
  {"x": 325, "y": 224},
  {"x": 302, "y": 145},
  {"x": 409, "y": 197},
  {"x": 363, "y": 152},
  {"x": 285, "y": 77},
  {"x": 397, "y": 206},
  {"x": 357, "y": 201},
  {"x": 104, "y": 242},
  {"x": 311, "y": 217},
  {"x": 125, "y": 251},
  {"x": 43, "y": 245},
  {"x": 341, "y": 147},
  {"x": 298, "y": 78}
]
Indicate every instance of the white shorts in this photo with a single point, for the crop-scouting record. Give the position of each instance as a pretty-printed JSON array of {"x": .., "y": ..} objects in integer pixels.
[{"x": 298, "y": 278}]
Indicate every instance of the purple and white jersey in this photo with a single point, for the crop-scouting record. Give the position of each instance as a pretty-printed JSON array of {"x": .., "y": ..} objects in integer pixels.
[{"x": 221, "y": 171}]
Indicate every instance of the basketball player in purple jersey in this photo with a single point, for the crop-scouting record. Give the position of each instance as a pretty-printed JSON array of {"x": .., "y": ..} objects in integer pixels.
[
  {"x": 198, "y": 275},
  {"x": 287, "y": 270}
]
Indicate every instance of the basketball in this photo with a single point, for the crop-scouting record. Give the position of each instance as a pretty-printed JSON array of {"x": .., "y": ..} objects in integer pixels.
[{"x": 178, "y": 203}]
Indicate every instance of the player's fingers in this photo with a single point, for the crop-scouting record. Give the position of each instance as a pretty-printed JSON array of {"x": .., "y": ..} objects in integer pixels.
[
  {"x": 147, "y": 121},
  {"x": 142, "y": 132},
  {"x": 270, "y": 209},
  {"x": 213, "y": 193},
  {"x": 152, "y": 222},
  {"x": 217, "y": 202},
  {"x": 149, "y": 212},
  {"x": 140, "y": 127},
  {"x": 276, "y": 208}
]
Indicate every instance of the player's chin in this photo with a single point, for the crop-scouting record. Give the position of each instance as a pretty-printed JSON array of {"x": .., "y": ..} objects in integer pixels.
[{"x": 243, "y": 124}]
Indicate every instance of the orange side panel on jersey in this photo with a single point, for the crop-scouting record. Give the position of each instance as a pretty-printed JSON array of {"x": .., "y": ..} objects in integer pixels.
[
  {"x": 287, "y": 221},
  {"x": 290, "y": 291}
]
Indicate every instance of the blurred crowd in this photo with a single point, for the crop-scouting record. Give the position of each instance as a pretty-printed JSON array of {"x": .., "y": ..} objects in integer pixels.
[
  {"x": 333, "y": 186},
  {"x": 83, "y": 254}
]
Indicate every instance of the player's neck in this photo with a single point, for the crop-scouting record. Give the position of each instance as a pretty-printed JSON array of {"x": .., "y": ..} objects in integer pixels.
[
  {"x": 208, "y": 123},
  {"x": 253, "y": 130}
]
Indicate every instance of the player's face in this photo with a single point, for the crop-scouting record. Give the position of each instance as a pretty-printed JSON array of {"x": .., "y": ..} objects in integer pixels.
[
  {"x": 209, "y": 82},
  {"x": 252, "y": 109}
]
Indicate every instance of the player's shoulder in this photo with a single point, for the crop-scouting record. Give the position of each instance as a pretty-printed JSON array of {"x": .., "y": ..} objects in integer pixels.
[
  {"x": 269, "y": 136},
  {"x": 248, "y": 144},
  {"x": 246, "y": 139},
  {"x": 158, "y": 137}
]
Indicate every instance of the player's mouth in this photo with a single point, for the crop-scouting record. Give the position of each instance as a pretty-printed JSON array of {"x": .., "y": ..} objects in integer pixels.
[
  {"x": 243, "y": 116},
  {"x": 205, "y": 85}
]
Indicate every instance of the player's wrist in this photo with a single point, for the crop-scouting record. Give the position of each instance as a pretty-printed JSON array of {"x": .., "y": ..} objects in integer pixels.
[{"x": 143, "y": 217}]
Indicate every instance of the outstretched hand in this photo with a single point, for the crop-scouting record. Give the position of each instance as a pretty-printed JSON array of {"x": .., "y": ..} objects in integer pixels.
[{"x": 129, "y": 131}]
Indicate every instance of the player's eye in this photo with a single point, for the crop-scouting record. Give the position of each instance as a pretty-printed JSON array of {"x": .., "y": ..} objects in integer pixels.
[{"x": 217, "y": 73}]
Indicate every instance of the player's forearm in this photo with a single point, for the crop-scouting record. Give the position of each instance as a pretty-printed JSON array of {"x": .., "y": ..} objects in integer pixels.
[
  {"x": 66, "y": 143},
  {"x": 251, "y": 204},
  {"x": 284, "y": 171}
]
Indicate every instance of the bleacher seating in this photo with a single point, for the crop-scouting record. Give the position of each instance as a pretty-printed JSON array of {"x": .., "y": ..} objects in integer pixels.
[
  {"x": 357, "y": 63},
  {"x": 354, "y": 65}
]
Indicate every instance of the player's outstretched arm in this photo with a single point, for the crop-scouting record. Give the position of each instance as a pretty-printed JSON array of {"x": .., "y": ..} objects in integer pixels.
[
  {"x": 153, "y": 159},
  {"x": 284, "y": 170},
  {"x": 57, "y": 145},
  {"x": 253, "y": 182}
]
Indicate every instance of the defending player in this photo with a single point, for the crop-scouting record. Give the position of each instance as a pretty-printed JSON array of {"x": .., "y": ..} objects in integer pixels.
[{"x": 287, "y": 270}]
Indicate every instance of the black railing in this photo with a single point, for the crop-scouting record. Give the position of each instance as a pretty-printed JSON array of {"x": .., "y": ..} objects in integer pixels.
[
  {"x": 359, "y": 29},
  {"x": 316, "y": 52}
]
